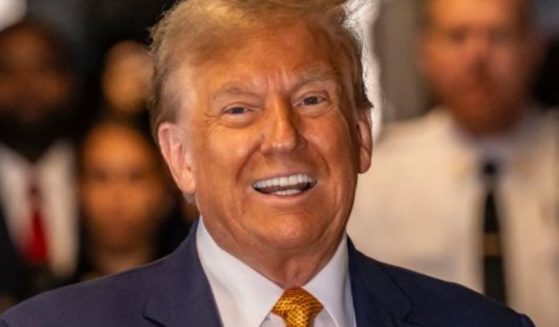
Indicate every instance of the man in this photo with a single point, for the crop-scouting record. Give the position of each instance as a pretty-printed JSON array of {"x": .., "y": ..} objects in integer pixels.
[
  {"x": 468, "y": 192},
  {"x": 38, "y": 231},
  {"x": 262, "y": 118}
]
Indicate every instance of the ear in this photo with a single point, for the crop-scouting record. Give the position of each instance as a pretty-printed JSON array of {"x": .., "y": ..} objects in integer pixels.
[
  {"x": 172, "y": 141},
  {"x": 365, "y": 139}
]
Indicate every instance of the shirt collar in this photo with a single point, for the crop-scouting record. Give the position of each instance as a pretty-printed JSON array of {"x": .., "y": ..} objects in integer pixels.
[
  {"x": 244, "y": 297},
  {"x": 337, "y": 300}
]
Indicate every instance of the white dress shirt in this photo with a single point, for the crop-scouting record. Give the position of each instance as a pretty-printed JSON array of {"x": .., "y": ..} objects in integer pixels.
[
  {"x": 54, "y": 175},
  {"x": 421, "y": 206},
  {"x": 245, "y": 298}
]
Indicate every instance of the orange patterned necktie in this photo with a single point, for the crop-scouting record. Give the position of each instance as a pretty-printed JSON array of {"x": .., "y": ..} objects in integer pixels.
[{"x": 297, "y": 307}]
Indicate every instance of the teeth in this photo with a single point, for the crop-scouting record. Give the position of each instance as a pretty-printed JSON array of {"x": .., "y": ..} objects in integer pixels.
[
  {"x": 287, "y": 192},
  {"x": 285, "y": 185},
  {"x": 285, "y": 181}
]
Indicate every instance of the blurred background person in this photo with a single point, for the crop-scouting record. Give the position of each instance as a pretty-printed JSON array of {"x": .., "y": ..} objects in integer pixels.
[
  {"x": 50, "y": 89},
  {"x": 127, "y": 200},
  {"x": 125, "y": 80},
  {"x": 471, "y": 187},
  {"x": 38, "y": 128}
]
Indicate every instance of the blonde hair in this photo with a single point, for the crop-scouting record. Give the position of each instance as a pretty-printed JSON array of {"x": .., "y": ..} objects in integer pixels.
[{"x": 200, "y": 30}]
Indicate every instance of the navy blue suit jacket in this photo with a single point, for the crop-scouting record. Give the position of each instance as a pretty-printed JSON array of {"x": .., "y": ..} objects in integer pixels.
[{"x": 174, "y": 291}]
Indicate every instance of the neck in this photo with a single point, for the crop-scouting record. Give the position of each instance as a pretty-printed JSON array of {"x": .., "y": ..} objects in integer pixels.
[
  {"x": 489, "y": 120},
  {"x": 286, "y": 268},
  {"x": 491, "y": 128},
  {"x": 291, "y": 272},
  {"x": 109, "y": 260}
]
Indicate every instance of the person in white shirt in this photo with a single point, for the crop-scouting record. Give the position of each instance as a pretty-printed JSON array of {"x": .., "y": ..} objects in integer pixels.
[
  {"x": 422, "y": 204},
  {"x": 261, "y": 115},
  {"x": 37, "y": 119}
]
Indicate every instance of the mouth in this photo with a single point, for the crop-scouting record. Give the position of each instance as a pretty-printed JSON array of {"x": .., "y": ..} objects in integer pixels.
[{"x": 285, "y": 185}]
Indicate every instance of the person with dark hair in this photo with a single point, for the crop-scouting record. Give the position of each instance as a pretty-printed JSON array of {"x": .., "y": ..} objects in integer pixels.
[
  {"x": 260, "y": 111},
  {"x": 125, "y": 79},
  {"x": 126, "y": 198},
  {"x": 38, "y": 97}
]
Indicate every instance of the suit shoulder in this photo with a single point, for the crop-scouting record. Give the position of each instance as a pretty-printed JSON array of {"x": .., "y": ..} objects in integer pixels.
[
  {"x": 426, "y": 301},
  {"x": 81, "y": 304},
  {"x": 441, "y": 303}
]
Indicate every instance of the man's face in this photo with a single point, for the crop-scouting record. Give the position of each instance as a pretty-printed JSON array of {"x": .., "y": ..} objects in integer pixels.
[
  {"x": 32, "y": 85},
  {"x": 270, "y": 144},
  {"x": 36, "y": 94},
  {"x": 122, "y": 189},
  {"x": 479, "y": 58}
]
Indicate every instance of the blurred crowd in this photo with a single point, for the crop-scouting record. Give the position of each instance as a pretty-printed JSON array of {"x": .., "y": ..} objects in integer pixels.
[
  {"x": 83, "y": 190},
  {"x": 469, "y": 192}
]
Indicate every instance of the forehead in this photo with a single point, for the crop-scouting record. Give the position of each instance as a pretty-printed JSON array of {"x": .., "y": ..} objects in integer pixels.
[
  {"x": 294, "y": 49},
  {"x": 443, "y": 13},
  {"x": 116, "y": 141},
  {"x": 287, "y": 53},
  {"x": 26, "y": 47}
]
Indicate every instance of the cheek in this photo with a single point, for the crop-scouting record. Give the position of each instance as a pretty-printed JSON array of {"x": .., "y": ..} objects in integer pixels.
[
  {"x": 97, "y": 211},
  {"x": 336, "y": 141},
  {"x": 143, "y": 203},
  {"x": 221, "y": 160},
  {"x": 506, "y": 62},
  {"x": 223, "y": 152},
  {"x": 441, "y": 68},
  {"x": 94, "y": 200}
]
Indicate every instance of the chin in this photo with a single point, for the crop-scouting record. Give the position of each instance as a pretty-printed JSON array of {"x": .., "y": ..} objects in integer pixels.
[{"x": 292, "y": 236}]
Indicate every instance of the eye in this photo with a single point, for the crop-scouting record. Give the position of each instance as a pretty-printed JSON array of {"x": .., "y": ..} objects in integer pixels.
[
  {"x": 239, "y": 115},
  {"x": 457, "y": 36},
  {"x": 312, "y": 100},
  {"x": 98, "y": 176},
  {"x": 501, "y": 36},
  {"x": 315, "y": 102},
  {"x": 236, "y": 110}
]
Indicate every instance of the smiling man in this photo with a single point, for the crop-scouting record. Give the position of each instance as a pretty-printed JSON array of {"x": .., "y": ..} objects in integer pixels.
[{"x": 260, "y": 112}]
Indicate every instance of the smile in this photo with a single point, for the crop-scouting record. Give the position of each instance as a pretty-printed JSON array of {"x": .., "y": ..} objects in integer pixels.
[{"x": 285, "y": 185}]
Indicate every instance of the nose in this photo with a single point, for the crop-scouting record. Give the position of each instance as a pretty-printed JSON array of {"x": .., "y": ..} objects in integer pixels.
[
  {"x": 282, "y": 130},
  {"x": 478, "y": 48}
]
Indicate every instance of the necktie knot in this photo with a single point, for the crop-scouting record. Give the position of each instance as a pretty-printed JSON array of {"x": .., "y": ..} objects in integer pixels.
[{"x": 297, "y": 307}]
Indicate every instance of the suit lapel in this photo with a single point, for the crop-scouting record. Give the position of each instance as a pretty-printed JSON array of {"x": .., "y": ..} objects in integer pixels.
[
  {"x": 377, "y": 300},
  {"x": 181, "y": 294}
]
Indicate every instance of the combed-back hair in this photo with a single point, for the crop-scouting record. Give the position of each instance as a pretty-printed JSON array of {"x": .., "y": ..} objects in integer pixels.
[{"x": 197, "y": 31}]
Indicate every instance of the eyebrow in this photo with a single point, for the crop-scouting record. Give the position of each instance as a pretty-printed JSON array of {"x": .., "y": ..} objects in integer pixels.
[
  {"x": 235, "y": 88},
  {"x": 317, "y": 73}
]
